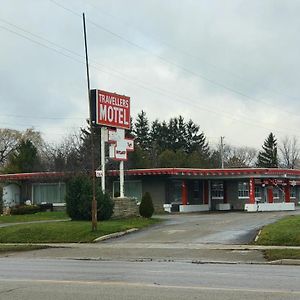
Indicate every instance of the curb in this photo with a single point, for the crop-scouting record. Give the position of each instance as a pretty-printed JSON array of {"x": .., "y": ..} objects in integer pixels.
[
  {"x": 288, "y": 262},
  {"x": 114, "y": 235},
  {"x": 257, "y": 236}
]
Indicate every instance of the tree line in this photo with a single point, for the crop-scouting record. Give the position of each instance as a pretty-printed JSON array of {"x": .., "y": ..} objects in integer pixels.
[{"x": 173, "y": 143}]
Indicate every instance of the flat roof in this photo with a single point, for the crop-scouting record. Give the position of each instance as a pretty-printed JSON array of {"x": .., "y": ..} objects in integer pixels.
[
  {"x": 185, "y": 172},
  {"x": 260, "y": 172},
  {"x": 32, "y": 176}
]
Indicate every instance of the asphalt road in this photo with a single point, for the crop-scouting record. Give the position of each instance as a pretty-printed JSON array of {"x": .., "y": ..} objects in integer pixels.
[{"x": 71, "y": 279}]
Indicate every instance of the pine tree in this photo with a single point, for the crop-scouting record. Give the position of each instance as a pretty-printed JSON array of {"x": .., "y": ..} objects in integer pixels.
[
  {"x": 142, "y": 131},
  {"x": 146, "y": 207},
  {"x": 24, "y": 159},
  {"x": 267, "y": 158}
]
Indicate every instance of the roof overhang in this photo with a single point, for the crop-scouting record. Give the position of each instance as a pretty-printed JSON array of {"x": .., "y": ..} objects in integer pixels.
[{"x": 214, "y": 173}]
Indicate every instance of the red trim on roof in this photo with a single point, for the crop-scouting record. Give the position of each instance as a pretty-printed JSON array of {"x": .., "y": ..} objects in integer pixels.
[
  {"x": 37, "y": 175},
  {"x": 208, "y": 172},
  {"x": 164, "y": 171}
]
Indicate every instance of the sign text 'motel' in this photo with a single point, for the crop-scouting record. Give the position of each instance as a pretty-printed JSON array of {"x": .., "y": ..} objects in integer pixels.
[{"x": 110, "y": 109}]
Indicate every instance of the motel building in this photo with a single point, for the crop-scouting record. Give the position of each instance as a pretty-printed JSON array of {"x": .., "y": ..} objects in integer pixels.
[
  {"x": 195, "y": 190},
  {"x": 172, "y": 189}
]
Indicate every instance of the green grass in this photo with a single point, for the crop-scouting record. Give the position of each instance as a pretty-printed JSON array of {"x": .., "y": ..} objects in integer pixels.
[
  {"x": 57, "y": 215},
  {"x": 285, "y": 232},
  {"x": 276, "y": 254},
  {"x": 67, "y": 232}
]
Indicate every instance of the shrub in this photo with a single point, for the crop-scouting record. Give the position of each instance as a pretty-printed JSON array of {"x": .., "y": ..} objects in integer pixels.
[
  {"x": 46, "y": 206},
  {"x": 146, "y": 207},
  {"x": 24, "y": 209},
  {"x": 79, "y": 200}
]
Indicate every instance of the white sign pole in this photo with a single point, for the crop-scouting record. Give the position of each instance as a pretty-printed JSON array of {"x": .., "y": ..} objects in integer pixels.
[
  {"x": 103, "y": 140},
  {"x": 122, "y": 179}
]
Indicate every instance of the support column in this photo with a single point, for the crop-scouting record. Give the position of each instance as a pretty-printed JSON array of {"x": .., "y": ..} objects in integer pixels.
[
  {"x": 287, "y": 192},
  {"x": 252, "y": 191},
  {"x": 225, "y": 198},
  {"x": 184, "y": 193},
  {"x": 122, "y": 179},
  {"x": 205, "y": 192},
  {"x": 270, "y": 192}
]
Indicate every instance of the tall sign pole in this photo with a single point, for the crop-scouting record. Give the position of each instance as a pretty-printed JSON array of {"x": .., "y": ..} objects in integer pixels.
[
  {"x": 94, "y": 202},
  {"x": 102, "y": 146}
]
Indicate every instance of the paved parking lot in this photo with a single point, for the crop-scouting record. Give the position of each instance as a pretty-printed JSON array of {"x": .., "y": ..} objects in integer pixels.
[{"x": 216, "y": 228}]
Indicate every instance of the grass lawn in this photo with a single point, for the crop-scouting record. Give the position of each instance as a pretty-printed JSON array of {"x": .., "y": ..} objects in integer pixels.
[
  {"x": 68, "y": 232},
  {"x": 57, "y": 215},
  {"x": 276, "y": 254},
  {"x": 285, "y": 232}
]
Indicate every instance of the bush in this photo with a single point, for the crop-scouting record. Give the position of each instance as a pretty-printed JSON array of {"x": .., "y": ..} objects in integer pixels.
[
  {"x": 46, "y": 207},
  {"x": 146, "y": 207},
  {"x": 24, "y": 209},
  {"x": 79, "y": 200}
]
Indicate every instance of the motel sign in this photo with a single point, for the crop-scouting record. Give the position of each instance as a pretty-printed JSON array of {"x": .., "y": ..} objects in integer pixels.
[{"x": 110, "y": 109}]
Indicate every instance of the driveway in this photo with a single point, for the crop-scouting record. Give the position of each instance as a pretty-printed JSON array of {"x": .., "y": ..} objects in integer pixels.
[{"x": 206, "y": 228}]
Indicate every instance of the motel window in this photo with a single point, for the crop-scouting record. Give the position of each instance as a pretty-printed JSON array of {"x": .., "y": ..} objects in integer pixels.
[
  {"x": 48, "y": 192},
  {"x": 196, "y": 189},
  {"x": 132, "y": 189},
  {"x": 275, "y": 192},
  {"x": 293, "y": 192},
  {"x": 257, "y": 192},
  {"x": 175, "y": 196},
  {"x": 217, "y": 190},
  {"x": 243, "y": 189}
]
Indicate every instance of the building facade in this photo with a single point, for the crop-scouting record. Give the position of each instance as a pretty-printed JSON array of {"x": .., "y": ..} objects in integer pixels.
[
  {"x": 173, "y": 189},
  {"x": 188, "y": 190}
]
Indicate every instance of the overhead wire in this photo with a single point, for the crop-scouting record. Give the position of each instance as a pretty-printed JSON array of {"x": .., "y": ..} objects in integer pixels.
[
  {"x": 183, "y": 68},
  {"x": 120, "y": 75},
  {"x": 186, "y": 53}
]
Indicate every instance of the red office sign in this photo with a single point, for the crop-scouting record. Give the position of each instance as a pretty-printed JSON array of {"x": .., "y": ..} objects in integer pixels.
[{"x": 110, "y": 109}]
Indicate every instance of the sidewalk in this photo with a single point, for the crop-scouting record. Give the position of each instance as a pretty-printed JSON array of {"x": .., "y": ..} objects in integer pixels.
[{"x": 193, "y": 253}]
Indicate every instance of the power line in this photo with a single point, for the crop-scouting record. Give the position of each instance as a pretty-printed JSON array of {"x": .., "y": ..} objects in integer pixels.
[
  {"x": 41, "y": 118},
  {"x": 186, "y": 53},
  {"x": 183, "y": 68},
  {"x": 134, "y": 81}
]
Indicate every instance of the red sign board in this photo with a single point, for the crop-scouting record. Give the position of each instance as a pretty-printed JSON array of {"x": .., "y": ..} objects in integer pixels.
[{"x": 112, "y": 110}]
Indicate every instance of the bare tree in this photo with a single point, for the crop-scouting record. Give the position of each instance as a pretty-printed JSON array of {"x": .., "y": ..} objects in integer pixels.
[
  {"x": 64, "y": 156},
  {"x": 290, "y": 152},
  {"x": 239, "y": 157},
  {"x": 9, "y": 140},
  {"x": 246, "y": 155}
]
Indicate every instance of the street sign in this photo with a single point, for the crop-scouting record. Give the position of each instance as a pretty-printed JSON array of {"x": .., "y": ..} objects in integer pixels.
[
  {"x": 99, "y": 173},
  {"x": 110, "y": 109}
]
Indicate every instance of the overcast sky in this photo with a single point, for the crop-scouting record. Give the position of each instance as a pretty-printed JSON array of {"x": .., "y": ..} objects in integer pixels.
[{"x": 232, "y": 66}]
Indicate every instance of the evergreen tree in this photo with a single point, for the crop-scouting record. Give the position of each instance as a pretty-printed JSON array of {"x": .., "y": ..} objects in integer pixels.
[
  {"x": 24, "y": 159},
  {"x": 142, "y": 131},
  {"x": 146, "y": 208},
  {"x": 267, "y": 158},
  {"x": 195, "y": 141}
]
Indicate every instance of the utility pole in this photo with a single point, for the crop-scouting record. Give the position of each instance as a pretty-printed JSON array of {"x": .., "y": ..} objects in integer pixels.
[
  {"x": 94, "y": 202},
  {"x": 222, "y": 151}
]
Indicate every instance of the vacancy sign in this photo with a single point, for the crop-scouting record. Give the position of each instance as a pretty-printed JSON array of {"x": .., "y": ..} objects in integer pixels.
[
  {"x": 110, "y": 109},
  {"x": 119, "y": 144}
]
